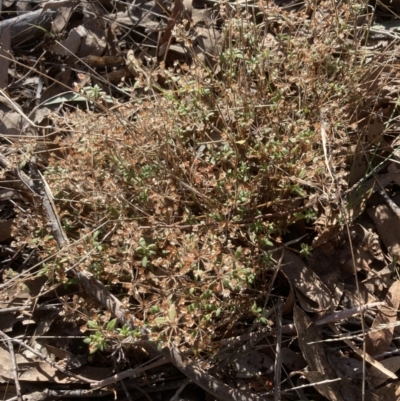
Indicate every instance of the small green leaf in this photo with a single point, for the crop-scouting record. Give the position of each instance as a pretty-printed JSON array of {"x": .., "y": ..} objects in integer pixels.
[
  {"x": 161, "y": 321},
  {"x": 144, "y": 261},
  {"x": 92, "y": 324},
  {"x": 111, "y": 325},
  {"x": 172, "y": 313},
  {"x": 154, "y": 309}
]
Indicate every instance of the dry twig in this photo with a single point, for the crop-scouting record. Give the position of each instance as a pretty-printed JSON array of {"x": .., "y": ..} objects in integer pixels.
[
  {"x": 15, "y": 370},
  {"x": 278, "y": 354}
]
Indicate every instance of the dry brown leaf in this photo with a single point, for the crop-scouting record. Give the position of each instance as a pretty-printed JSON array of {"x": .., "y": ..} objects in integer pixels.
[
  {"x": 44, "y": 372},
  {"x": 370, "y": 242},
  {"x": 5, "y": 41},
  {"x": 312, "y": 293},
  {"x": 314, "y": 353},
  {"x": 55, "y": 89},
  {"x": 252, "y": 364},
  {"x": 328, "y": 390},
  {"x": 289, "y": 301},
  {"x": 384, "y": 179},
  {"x": 326, "y": 233},
  {"x": 64, "y": 12},
  {"x": 370, "y": 81},
  {"x": 24, "y": 26},
  {"x": 201, "y": 16},
  {"x": 359, "y": 166},
  {"x": 5, "y": 230},
  {"x": 72, "y": 43},
  {"x": 38, "y": 371},
  {"x": 67, "y": 359},
  {"x": 389, "y": 392},
  {"x": 327, "y": 261},
  {"x": 366, "y": 356},
  {"x": 182, "y": 9},
  {"x": 94, "y": 42},
  {"x": 392, "y": 364},
  {"x": 378, "y": 342},
  {"x": 387, "y": 224},
  {"x": 134, "y": 64},
  {"x": 292, "y": 360},
  {"x": 209, "y": 44},
  {"x": 84, "y": 40},
  {"x": 358, "y": 197},
  {"x": 374, "y": 131},
  {"x": 49, "y": 5},
  {"x": 12, "y": 124},
  {"x": 23, "y": 7},
  {"x": 135, "y": 16}
]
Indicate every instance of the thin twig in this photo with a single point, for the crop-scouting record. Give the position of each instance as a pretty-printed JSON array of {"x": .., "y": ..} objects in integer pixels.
[
  {"x": 344, "y": 314},
  {"x": 127, "y": 373},
  {"x": 392, "y": 206},
  {"x": 366, "y": 357},
  {"x": 179, "y": 391},
  {"x": 278, "y": 354},
  {"x": 363, "y": 326},
  {"x": 137, "y": 388},
  {"x": 15, "y": 370},
  {"x": 310, "y": 385},
  {"x": 272, "y": 280}
]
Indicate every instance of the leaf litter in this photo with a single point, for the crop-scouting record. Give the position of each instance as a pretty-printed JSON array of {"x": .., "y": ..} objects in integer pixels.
[{"x": 170, "y": 171}]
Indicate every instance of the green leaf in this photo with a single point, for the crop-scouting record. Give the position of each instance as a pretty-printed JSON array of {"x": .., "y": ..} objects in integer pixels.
[
  {"x": 161, "y": 321},
  {"x": 111, "y": 325},
  {"x": 154, "y": 309},
  {"x": 42, "y": 29},
  {"x": 144, "y": 261},
  {"x": 172, "y": 313},
  {"x": 92, "y": 324}
]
